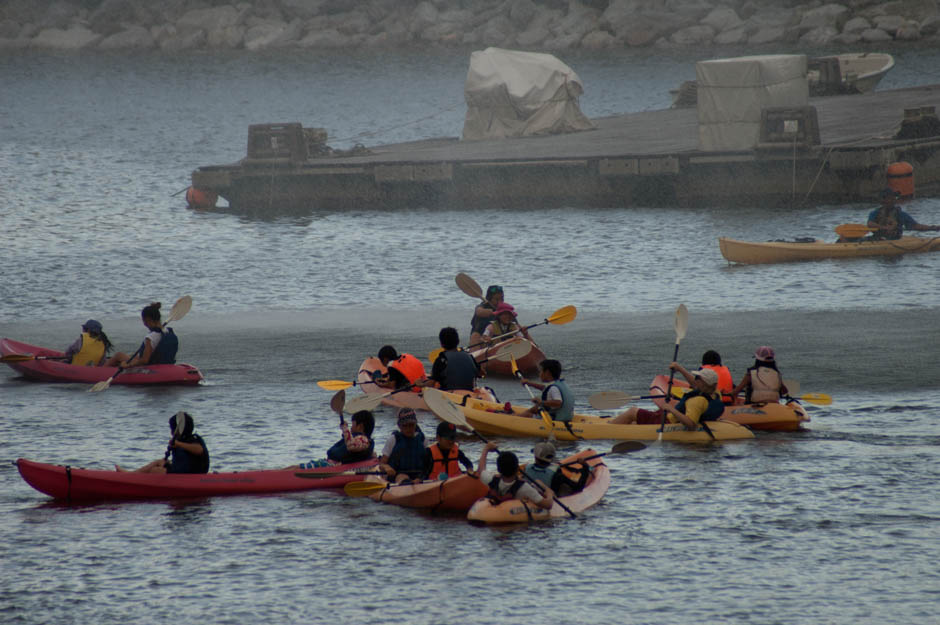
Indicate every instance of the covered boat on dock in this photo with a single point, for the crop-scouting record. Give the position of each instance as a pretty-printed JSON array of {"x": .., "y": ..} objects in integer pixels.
[
  {"x": 48, "y": 365},
  {"x": 77, "y": 484},
  {"x": 752, "y": 253}
]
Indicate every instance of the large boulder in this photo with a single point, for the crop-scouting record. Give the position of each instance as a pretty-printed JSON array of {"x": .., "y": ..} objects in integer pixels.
[
  {"x": 722, "y": 19},
  {"x": 732, "y": 37},
  {"x": 912, "y": 9},
  {"x": 134, "y": 37},
  {"x": 875, "y": 35},
  {"x": 599, "y": 40},
  {"x": 116, "y": 16},
  {"x": 829, "y": 15},
  {"x": 330, "y": 38},
  {"x": 856, "y": 25},
  {"x": 76, "y": 37},
  {"x": 701, "y": 34},
  {"x": 820, "y": 36},
  {"x": 272, "y": 34}
]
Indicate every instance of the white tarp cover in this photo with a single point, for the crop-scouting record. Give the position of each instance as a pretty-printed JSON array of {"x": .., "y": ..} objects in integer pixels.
[
  {"x": 514, "y": 94},
  {"x": 732, "y": 92}
]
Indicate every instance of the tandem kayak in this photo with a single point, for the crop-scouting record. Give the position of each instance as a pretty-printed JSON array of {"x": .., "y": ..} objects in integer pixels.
[
  {"x": 748, "y": 252},
  {"x": 785, "y": 417},
  {"x": 77, "y": 484},
  {"x": 372, "y": 367},
  {"x": 44, "y": 368},
  {"x": 491, "y": 419},
  {"x": 502, "y": 366},
  {"x": 455, "y": 493},
  {"x": 518, "y": 511}
]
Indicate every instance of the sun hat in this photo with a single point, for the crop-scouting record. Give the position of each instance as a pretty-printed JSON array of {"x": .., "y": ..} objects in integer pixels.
[
  {"x": 446, "y": 430},
  {"x": 764, "y": 353},
  {"x": 407, "y": 415},
  {"x": 92, "y": 326},
  {"x": 544, "y": 451},
  {"x": 708, "y": 376},
  {"x": 504, "y": 307}
]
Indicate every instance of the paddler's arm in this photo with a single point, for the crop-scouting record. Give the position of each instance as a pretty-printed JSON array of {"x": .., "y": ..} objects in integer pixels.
[
  {"x": 685, "y": 372},
  {"x": 481, "y": 465},
  {"x": 694, "y": 408},
  {"x": 742, "y": 384}
]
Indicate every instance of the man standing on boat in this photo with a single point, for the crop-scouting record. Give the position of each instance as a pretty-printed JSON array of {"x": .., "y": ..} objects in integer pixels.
[{"x": 889, "y": 221}]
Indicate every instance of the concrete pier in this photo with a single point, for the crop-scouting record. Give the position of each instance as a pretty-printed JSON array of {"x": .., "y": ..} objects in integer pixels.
[{"x": 648, "y": 158}]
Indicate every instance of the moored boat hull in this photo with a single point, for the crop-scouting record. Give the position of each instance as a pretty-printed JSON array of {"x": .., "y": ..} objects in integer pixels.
[
  {"x": 753, "y": 253},
  {"x": 78, "y": 484},
  {"x": 60, "y": 371}
]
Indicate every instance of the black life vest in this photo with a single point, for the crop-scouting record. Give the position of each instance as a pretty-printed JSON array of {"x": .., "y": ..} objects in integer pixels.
[
  {"x": 460, "y": 371},
  {"x": 408, "y": 454},
  {"x": 494, "y": 494},
  {"x": 184, "y": 462}
]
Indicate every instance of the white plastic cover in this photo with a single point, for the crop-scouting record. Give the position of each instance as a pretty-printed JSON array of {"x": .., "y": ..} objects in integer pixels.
[
  {"x": 513, "y": 94},
  {"x": 732, "y": 92}
]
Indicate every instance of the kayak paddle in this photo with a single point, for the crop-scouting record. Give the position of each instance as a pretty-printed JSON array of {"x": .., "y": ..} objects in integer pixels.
[{"x": 681, "y": 324}]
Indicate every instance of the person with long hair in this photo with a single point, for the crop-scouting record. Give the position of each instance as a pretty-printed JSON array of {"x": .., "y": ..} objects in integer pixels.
[
  {"x": 91, "y": 348},
  {"x": 762, "y": 383},
  {"x": 158, "y": 347}
]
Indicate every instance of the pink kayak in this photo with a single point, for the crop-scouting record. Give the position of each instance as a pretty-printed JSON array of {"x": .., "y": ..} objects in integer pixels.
[
  {"x": 372, "y": 367},
  {"x": 74, "y": 483},
  {"x": 44, "y": 367}
]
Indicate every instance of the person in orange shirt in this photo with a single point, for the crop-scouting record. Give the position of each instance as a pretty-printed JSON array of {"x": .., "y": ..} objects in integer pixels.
[{"x": 712, "y": 360}]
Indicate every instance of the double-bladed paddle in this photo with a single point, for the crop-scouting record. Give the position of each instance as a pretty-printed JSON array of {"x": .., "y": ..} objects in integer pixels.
[
  {"x": 25, "y": 357},
  {"x": 179, "y": 310},
  {"x": 853, "y": 231},
  {"x": 563, "y": 315}
]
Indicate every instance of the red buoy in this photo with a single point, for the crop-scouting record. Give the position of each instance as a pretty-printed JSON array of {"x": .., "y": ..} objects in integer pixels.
[
  {"x": 901, "y": 178},
  {"x": 197, "y": 198}
]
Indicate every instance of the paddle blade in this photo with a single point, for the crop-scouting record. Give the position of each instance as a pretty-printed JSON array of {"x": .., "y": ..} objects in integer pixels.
[
  {"x": 682, "y": 322},
  {"x": 363, "y": 489},
  {"x": 334, "y": 385},
  {"x": 563, "y": 315},
  {"x": 516, "y": 349},
  {"x": 820, "y": 399},
  {"x": 101, "y": 386},
  {"x": 608, "y": 400},
  {"x": 16, "y": 358},
  {"x": 444, "y": 408},
  {"x": 369, "y": 401},
  {"x": 337, "y": 402},
  {"x": 180, "y": 308},
  {"x": 469, "y": 286},
  {"x": 626, "y": 447},
  {"x": 853, "y": 231}
]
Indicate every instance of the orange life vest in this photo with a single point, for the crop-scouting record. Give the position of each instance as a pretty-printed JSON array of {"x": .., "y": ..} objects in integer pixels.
[
  {"x": 444, "y": 464},
  {"x": 725, "y": 383},
  {"x": 410, "y": 367}
]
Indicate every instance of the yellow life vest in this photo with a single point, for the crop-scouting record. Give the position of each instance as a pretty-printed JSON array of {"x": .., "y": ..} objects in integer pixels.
[{"x": 91, "y": 353}]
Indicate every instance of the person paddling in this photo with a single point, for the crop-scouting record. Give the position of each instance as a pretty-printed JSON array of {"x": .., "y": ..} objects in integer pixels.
[
  {"x": 504, "y": 323},
  {"x": 762, "y": 383},
  {"x": 483, "y": 313},
  {"x": 355, "y": 445},
  {"x": 442, "y": 460},
  {"x": 185, "y": 453},
  {"x": 703, "y": 403},
  {"x": 557, "y": 399},
  {"x": 890, "y": 221},
  {"x": 403, "y": 454},
  {"x": 91, "y": 348},
  {"x": 453, "y": 370},
  {"x": 547, "y": 471},
  {"x": 505, "y": 483},
  {"x": 159, "y": 347}
]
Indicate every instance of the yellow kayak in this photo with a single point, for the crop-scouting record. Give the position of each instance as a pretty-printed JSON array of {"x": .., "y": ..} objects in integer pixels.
[
  {"x": 749, "y": 252},
  {"x": 490, "y": 418}
]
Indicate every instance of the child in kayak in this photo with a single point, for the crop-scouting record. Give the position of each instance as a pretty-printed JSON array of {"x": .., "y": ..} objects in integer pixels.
[
  {"x": 443, "y": 459},
  {"x": 762, "y": 383},
  {"x": 356, "y": 444},
  {"x": 702, "y": 403},
  {"x": 91, "y": 348},
  {"x": 453, "y": 370},
  {"x": 504, "y": 325},
  {"x": 403, "y": 455},
  {"x": 546, "y": 471},
  {"x": 185, "y": 453},
  {"x": 483, "y": 313},
  {"x": 505, "y": 483},
  {"x": 158, "y": 347},
  {"x": 556, "y": 397}
]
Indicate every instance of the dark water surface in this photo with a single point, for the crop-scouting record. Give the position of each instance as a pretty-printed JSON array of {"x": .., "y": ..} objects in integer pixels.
[{"x": 837, "y": 524}]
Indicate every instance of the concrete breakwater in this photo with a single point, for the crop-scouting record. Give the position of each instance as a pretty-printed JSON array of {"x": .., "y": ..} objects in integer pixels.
[{"x": 548, "y": 25}]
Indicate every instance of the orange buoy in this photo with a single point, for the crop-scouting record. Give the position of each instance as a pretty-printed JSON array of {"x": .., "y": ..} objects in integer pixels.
[
  {"x": 197, "y": 198},
  {"x": 901, "y": 178}
]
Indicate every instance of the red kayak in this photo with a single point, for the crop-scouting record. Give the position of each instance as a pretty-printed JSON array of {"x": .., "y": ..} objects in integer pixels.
[
  {"x": 44, "y": 367},
  {"x": 76, "y": 484}
]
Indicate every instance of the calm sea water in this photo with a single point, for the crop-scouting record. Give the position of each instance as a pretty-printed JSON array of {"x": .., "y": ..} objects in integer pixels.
[{"x": 837, "y": 524}]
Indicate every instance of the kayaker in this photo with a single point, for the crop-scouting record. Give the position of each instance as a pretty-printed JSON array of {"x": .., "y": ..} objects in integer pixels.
[
  {"x": 890, "y": 220},
  {"x": 186, "y": 453},
  {"x": 505, "y": 483},
  {"x": 453, "y": 370},
  {"x": 557, "y": 399},
  {"x": 545, "y": 470},
  {"x": 443, "y": 459},
  {"x": 91, "y": 348},
  {"x": 355, "y": 445},
  {"x": 703, "y": 403},
  {"x": 158, "y": 347},
  {"x": 503, "y": 324},
  {"x": 403, "y": 454},
  {"x": 386, "y": 354},
  {"x": 762, "y": 383},
  {"x": 712, "y": 360},
  {"x": 404, "y": 372},
  {"x": 483, "y": 313}
]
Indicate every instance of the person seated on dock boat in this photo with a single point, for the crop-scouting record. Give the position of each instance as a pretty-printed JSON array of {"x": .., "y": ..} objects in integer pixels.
[
  {"x": 483, "y": 313},
  {"x": 403, "y": 454},
  {"x": 443, "y": 459},
  {"x": 702, "y": 403},
  {"x": 762, "y": 383},
  {"x": 356, "y": 444},
  {"x": 453, "y": 370},
  {"x": 186, "y": 453},
  {"x": 557, "y": 398},
  {"x": 504, "y": 325},
  {"x": 545, "y": 470},
  {"x": 91, "y": 348},
  {"x": 506, "y": 483},
  {"x": 890, "y": 220},
  {"x": 158, "y": 347}
]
